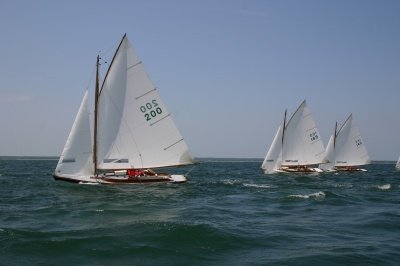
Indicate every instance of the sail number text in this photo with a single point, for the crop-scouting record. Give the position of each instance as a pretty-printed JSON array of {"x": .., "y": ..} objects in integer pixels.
[
  {"x": 314, "y": 136},
  {"x": 151, "y": 110}
]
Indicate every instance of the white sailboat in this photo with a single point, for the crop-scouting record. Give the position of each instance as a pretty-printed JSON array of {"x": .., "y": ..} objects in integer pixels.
[
  {"x": 133, "y": 131},
  {"x": 346, "y": 150},
  {"x": 398, "y": 164},
  {"x": 297, "y": 146}
]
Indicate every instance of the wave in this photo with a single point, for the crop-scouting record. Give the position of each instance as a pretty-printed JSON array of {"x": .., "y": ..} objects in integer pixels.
[
  {"x": 257, "y": 185},
  {"x": 319, "y": 194},
  {"x": 343, "y": 185},
  {"x": 385, "y": 187},
  {"x": 231, "y": 181}
]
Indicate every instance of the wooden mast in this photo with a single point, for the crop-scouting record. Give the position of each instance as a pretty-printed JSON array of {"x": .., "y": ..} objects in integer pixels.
[
  {"x": 96, "y": 101},
  {"x": 334, "y": 136},
  {"x": 284, "y": 127}
]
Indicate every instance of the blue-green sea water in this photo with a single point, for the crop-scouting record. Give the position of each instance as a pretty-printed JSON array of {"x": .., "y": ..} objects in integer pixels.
[{"x": 228, "y": 213}]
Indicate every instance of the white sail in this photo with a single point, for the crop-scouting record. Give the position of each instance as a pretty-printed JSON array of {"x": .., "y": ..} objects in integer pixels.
[
  {"x": 76, "y": 158},
  {"x": 398, "y": 164},
  {"x": 302, "y": 144},
  {"x": 330, "y": 152},
  {"x": 135, "y": 129},
  {"x": 347, "y": 148},
  {"x": 274, "y": 156}
]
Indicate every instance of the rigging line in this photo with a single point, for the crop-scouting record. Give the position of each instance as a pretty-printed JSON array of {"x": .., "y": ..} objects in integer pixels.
[
  {"x": 190, "y": 170},
  {"x": 91, "y": 78}
]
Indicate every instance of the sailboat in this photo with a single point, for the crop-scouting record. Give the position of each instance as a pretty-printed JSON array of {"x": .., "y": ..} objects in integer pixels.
[
  {"x": 398, "y": 164},
  {"x": 346, "y": 150},
  {"x": 133, "y": 133},
  {"x": 297, "y": 146}
]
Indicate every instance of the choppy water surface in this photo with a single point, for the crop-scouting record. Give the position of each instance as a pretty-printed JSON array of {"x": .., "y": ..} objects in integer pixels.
[{"x": 228, "y": 213}]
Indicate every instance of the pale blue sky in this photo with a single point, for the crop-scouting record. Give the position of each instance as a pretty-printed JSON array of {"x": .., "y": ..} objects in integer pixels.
[{"x": 225, "y": 69}]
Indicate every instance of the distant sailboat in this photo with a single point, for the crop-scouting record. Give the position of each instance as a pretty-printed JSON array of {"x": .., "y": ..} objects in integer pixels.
[
  {"x": 398, "y": 164},
  {"x": 346, "y": 150},
  {"x": 133, "y": 131},
  {"x": 297, "y": 146}
]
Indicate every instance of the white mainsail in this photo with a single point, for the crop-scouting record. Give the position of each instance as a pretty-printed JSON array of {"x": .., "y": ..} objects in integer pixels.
[
  {"x": 346, "y": 147},
  {"x": 398, "y": 164},
  {"x": 135, "y": 130},
  {"x": 273, "y": 158},
  {"x": 76, "y": 158},
  {"x": 302, "y": 144}
]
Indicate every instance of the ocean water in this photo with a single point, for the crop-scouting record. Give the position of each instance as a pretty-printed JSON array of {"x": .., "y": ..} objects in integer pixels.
[{"x": 228, "y": 213}]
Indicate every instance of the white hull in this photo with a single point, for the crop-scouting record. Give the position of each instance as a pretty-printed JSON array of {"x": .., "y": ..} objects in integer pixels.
[
  {"x": 122, "y": 179},
  {"x": 75, "y": 178},
  {"x": 299, "y": 170}
]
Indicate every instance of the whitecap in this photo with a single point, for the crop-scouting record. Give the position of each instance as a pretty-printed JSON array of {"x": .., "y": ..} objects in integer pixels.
[
  {"x": 343, "y": 185},
  {"x": 99, "y": 210},
  {"x": 230, "y": 182},
  {"x": 257, "y": 185},
  {"x": 88, "y": 183},
  {"x": 385, "y": 187},
  {"x": 319, "y": 194}
]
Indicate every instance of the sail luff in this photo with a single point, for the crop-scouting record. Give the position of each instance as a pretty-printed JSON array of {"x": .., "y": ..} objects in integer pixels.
[
  {"x": 297, "y": 110},
  {"x": 112, "y": 62}
]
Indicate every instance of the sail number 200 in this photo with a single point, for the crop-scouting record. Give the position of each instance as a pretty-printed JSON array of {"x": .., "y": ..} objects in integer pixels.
[{"x": 151, "y": 110}]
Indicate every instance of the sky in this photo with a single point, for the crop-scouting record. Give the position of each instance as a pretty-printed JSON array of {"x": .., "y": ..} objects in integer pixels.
[{"x": 225, "y": 69}]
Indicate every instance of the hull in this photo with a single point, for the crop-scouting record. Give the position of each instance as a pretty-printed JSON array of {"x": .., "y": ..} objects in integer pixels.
[
  {"x": 299, "y": 169},
  {"x": 125, "y": 179},
  {"x": 349, "y": 169},
  {"x": 122, "y": 179},
  {"x": 74, "y": 179}
]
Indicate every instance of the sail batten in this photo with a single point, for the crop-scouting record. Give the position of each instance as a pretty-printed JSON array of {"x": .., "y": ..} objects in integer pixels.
[{"x": 137, "y": 98}]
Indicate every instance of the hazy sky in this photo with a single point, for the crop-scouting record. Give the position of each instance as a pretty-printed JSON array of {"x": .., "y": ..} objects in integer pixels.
[{"x": 226, "y": 70}]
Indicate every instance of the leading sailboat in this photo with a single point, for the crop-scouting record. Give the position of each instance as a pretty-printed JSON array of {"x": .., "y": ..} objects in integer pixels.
[
  {"x": 133, "y": 131},
  {"x": 297, "y": 146},
  {"x": 346, "y": 150}
]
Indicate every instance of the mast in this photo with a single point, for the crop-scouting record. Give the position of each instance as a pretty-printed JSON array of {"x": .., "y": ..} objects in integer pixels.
[
  {"x": 96, "y": 101},
  {"x": 284, "y": 127},
  {"x": 334, "y": 137}
]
